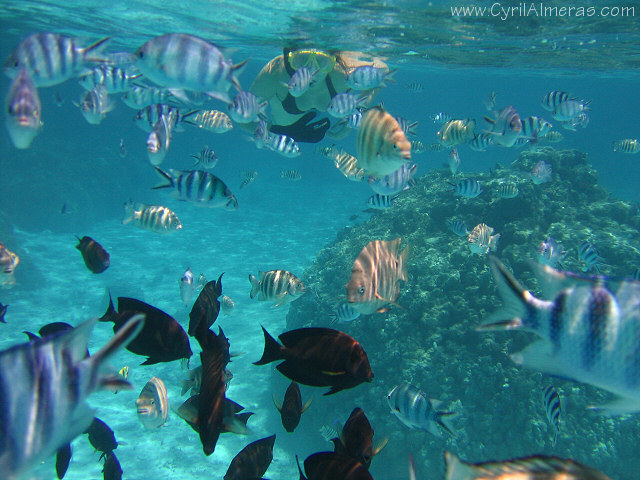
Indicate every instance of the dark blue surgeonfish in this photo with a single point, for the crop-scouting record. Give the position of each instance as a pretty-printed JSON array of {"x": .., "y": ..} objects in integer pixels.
[
  {"x": 356, "y": 439},
  {"x": 291, "y": 408},
  {"x": 95, "y": 257},
  {"x": 43, "y": 387},
  {"x": 252, "y": 461},
  {"x": 206, "y": 308},
  {"x": 101, "y": 437},
  {"x": 112, "y": 469}
]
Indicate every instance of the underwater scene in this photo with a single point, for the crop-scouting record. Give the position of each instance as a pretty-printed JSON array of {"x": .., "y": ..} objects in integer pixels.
[{"x": 320, "y": 240}]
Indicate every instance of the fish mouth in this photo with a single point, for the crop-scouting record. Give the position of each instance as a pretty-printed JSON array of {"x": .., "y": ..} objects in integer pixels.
[
  {"x": 143, "y": 411},
  {"x": 23, "y": 121}
]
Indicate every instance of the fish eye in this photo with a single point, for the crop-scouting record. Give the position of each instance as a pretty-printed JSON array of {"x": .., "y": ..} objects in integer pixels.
[{"x": 361, "y": 290}]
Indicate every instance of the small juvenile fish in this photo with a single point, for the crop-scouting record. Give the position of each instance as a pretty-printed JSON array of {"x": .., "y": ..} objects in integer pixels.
[
  {"x": 541, "y": 172},
  {"x": 440, "y": 118},
  {"x": 553, "y": 408},
  {"x": 628, "y": 145},
  {"x": 212, "y": 120},
  {"x": 415, "y": 87},
  {"x": 151, "y": 217},
  {"x": 458, "y": 227},
  {"x": 508, "y": 190},
  {"x": 276, "y": 285},
  {"x": 153, "y": 404},
  {"x": 226, "y": 304},
  {"x": 480, "y": 142},
  {"x": 467, "y": 188},
  {"x": 435, "y": 147},
  {"x": 248, "y": 177},
  {"x": 454, "y": 161},
  {"x": 95, "y": 257},
  {"x": 292, "y": 175},
  {"x": 551, "y": 137},
  {"x": 588, "y": 256},
  {"x": 418, "y": 147},
  {"x": 481, "y": 240},
  {"x": 207, "y": 157},
  {"x": 122, "y": 150}
]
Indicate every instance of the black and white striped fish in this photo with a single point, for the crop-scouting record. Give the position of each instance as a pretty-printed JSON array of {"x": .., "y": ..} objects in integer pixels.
[
  {"x": 292, "y": 175},
  {"x": 51, "y": 58},
  {"x": 140, "y": 96},
  {"x": 345, "y": 313},
  {"x": 628, "y": 145},
  {"x": 440, "y": 118},
  {"x": 552, "y": 99},
  {"x": 151, "y": 217},
  {"x": 207, "y": 157},
  {"x": 414, "y": 409},
  {"x": 456, "y": 132},
  {"x": 113, "y": 78},
  {"x": 481, "y": 141},
  {"x": 148, "y": 117},
  {"x": 380, "y": 202},
  {"x": 248, "y": 177},
  {"x": 415, "y": 87},
  {"x": 44, "y": 384},
  {"x": 345, "y": 104},
  {"x": 553, "y": 408},
  {"x": 346, "y": 163},
  {"x": 467, "y": 188},
  {"x": 283, "y": 145},
  {"x": 418, "y": 147},
  {"x": 366, "y": 77},
  {"x": 212, "y": 120},
  {"x": 508, "y": 190},
  {"x": 458, "y": 227},
  {"x": 276, "y": 285},
  {"x": 199, "y": 187},
  {"x": 95, "y": 104},
  {"x": 246, "y": 107},
  {"x": 406, "y": 126},
  {"x": 588, "y": 256},
  {"x": 300, "y": 81}
]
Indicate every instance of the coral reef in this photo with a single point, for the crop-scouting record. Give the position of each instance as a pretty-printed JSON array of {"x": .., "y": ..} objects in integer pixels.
[{"x": 431, "y": 340}]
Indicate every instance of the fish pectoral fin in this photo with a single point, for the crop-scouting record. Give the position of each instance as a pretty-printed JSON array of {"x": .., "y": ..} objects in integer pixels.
[
  {"x": 380, "y": 445},
  {"x": 277, "y": 403},
  {"x": 306, "y": 405}
]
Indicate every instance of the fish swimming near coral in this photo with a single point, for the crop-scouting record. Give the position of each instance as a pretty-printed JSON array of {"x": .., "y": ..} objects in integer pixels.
[
  {"x": 153, "y": 404},
  {"x": 481, "y": 241},
  {"x": 291, "y": 408},
  {"x": 551, "y": 253},
  {"x": 252, "y": 461},
  {"x": 467, "y": 188},
  {"x": 55, "y": 371},
  {"x": 162, "y": 339},
  {"x": 280, "y": 286},
  {"x": 588, "y": 332},
  {"x": 355, "y": 439},
  {"x": 318, "y": 357},
  {"x": 375, "y": 274},
  {"x": 95, "y": 257},
  {"x": 535, "y": 467}
]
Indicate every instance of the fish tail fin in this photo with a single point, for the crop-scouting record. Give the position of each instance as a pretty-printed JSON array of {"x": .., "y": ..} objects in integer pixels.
[
  {"x": 519, "y": 303},
  {"x": 93, "y": 51},
  {"x": 185, "y": 118},
  {"x": 302, "y": 477},
  {"x": 443, "y": 419},
  {"x": 129, "y": 212},
  {"x": 272, "y": 350},
  {"x": 186, "y": 385},
  {"x": 111, "y": 311},
  {"x": 165, "y": 176},
  {"x": 255, "y": 286},
  {"x": 389, "y": 76}
]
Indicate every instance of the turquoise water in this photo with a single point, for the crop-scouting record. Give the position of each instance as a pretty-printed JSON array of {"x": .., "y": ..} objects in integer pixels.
[{"x": 279, "y": 224}]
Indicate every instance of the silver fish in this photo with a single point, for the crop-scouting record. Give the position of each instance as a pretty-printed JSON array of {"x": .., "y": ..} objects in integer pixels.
[
  {"x": 23, "y": 110},
  {"x": 345, "y": 104},
  {"x": 417, "y": 411},
  {"x": 366, "y": 77},
  {"x": 588, "y": 332},
  {"x": 380, "y": 202},
  {"x": 628, "y": 145},
  {"x": 246, "y": 107},
  {"x": 95, "y": 104},
  {"x": 541, "y": 172},
  {"x": 347, "y": 164},
  {"x": 440, "y": 118},
  {"x": 113, "y": 78},
  {"x": 418, "y": 147},
  {"x": 570, "y": 109},
  {"x": 454, "y": 161},
  {"x": 140, "y": 96},
  {"x": 199, "y": 187},
  {"x": 151, "y": 217},
  {"x": 481, "y": 240},
  {"x": 300, "y": 81},
  {"x": 153, "y": 404},
  {"x": 395, "y": 182},
  {"x": 553, "y": 408},
  {"x": 550, "y": 253},
  {"x": 481, "y": 141},
  {"x": 226, "y": 304},
  {"x": 551, "y": 137},
  {"x": 44, "y": 384},
  {"x": 185, "y": 61},
  {"x": 159, "y": 140},
  {"x": 506, "y": 127},
  {"x": 51, "y": 58},
  {"x": 276, "y": 285},
  {"x": 146, "y": 118},
  {"x": 207, "y": 157},
  {"x": 187, "y": 287}
]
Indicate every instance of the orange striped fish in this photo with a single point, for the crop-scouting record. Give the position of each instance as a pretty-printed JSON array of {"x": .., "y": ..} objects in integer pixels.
[
  {"x": 382, "y": 146},
  {"x": 375, "y": 274}
]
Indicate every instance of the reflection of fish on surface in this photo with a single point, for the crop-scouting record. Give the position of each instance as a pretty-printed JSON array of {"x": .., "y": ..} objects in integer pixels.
[
  {"x": 318, "y": 357},
  {"x": 56, "y": 371},
  {"x": 588, "y": 334},
  {"x": 534, "y": 467},
  {"x": 252, "y": 461},
  {"x": 291, "y": 408},
  {"x": 375, "y": 274},
  {"x": 153, "y": 404}
]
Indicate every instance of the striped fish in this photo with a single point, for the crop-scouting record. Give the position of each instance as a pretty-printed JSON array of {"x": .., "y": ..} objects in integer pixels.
[
  {"x": 382, "y": 146},
  {"x": 553, "y": 99},
  {"x": 345, "y": 104},
  {"x": 418, "y": 147},
  {"x": 199, "y": 187},
  {"x": 458, "y": 227},
  {"x": 570, "y": 109},
  {"x": 207, "y": 157},
  {"x": 140, "y": 96},
  {"x": 456, "y": 132},
  {"x": 113, "y": 78},
  {"x": 44, "y": 384},
  {"x": 481, "y": 240},
  {"x": 415, "y": 410},
  {"x": 588, "y": 256},
  {"x": 553, "y": 408},
  {"x": 366, "y": 77},
  {"x": 395, "y": 182},
  {"x": 300, "y": 81},
  {"x": 406, "y": 126},
  {"x": 292, "y": 175},
  {"x": 628, "y": 145},
  {"x": 375, "y": 274},
  {"x": 353, "y": 120},
  {"x": 345, "y": 313},
  {"x": 159, "y": 139},
  {"x": 588, "y": 333},
  {"x": 551, "y": 137},
  {"x": 467, "y": 188},
  {"x": 538, "y": 467},
  {"x": 481, "y": 141},
  {"x": 508, "y": 190},
  {"x": 276, "y": 285},
  {"x": 23, "y": 110},
  {"x": 440, "y": 118},
  {"x": 347, "y": 164},
  {"x": 506, "y": 127},
  {"x": 51, "y": 58},
  {"x": 212, "y": 120},
  {"x": 435, "y": 147},
  {"x": 415, "y": 87},
  {"x": 147, "y": 117},
  {"x": 153, "y": 404},
  {"x": 248, "y": 177},
  {"x": 151, "y": 217},
  {"x": 283, "y": 145},
  {"x": 95, "y": 104},
  {"x": 380, "y": 202},
  {"x": 246, "y": 107},
  {"x": 179, "y": 60}
]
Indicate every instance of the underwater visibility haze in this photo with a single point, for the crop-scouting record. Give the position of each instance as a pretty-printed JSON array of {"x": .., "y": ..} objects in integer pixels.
[{"x": 287, "y": 228}]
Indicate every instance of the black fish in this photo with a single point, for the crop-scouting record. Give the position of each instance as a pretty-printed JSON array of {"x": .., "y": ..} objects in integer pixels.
[
  {"x": 252, "y": 461},
  {"x": 356, "y": 439},
  {"x": 333, "y": 466},
  {"x": 162, "y": 339},
  {"x": 3, "y": 311},
  {"x": 291, "y": 408},
  {"x": 63, "y": 457},
  {"x": 232, "y": 420},
  {"x": 112, "y": 469},
  {"x": 52, "y": 328},
  {"x": 318, "y": 357},
  {"x": 206, "y": 308},
  {"x": 95, "y": 257},
  {"x": 101, "y": 437}
]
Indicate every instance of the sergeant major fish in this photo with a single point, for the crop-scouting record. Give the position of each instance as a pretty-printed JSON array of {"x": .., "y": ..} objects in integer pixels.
[
  {"x": 344, "y": 313},
  {"x": 283, "y": 145},
  {"x": 248, "y": 177},
  {"x": 467, "y": 188},
  {"x": 212, "y": 120},
  {"x": 481, "y": 240},
  {"x": 95, "y": 104},
  {"x": 207, "y": 157},
  {"x": 552, "y": 407},
  {"x": 276, "y": 285},
  {"x": 554, "y": 98},
  {"x": 456, "y": 132},
  {"x": 345, "y": 104},
  {"x": 44, "y": 384},
  {"x": 246, "y": 107},
  {"x": 380, "y": 202},
  {"x": 199, "y": 187},
  {"x": 300, "y": 81},
  {"x": 23, "y": 110},
  {"x": 458, "y": 227},
  {"x": 113, "y": 78},
  {"x": 151, "y": 217},
  {"x": 588, "y": 332},
  {"x": 292, "y": 175},
  {"x": 588, "y": 256},
  {"x": 506, "y": 127},
  {"x": 396, "y": 181},
  {"x": 366, "y": 77},
  {"x": 628, "y": 145},
  {"x": 508, "y": 190}
]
